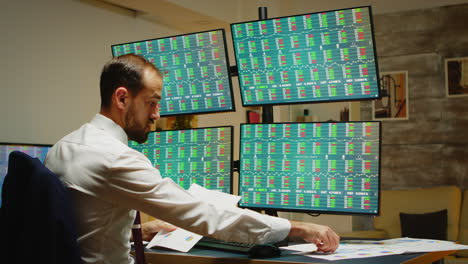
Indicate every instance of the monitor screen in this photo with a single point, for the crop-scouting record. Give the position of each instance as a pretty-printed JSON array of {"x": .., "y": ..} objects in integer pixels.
[
  {"x": 311, "y": 167},
  {"x": 195, "y": 71},
  {"x": 37, "y": 151},
  {"x": 200, "y": 155},
  {"x": 317, "y": 57}
]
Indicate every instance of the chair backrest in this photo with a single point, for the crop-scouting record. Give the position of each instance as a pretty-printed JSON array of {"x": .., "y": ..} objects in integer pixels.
[{"x": 36, "y": 219}]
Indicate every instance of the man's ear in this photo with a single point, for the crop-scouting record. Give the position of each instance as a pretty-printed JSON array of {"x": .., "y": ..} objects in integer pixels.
[{"x": 120, "y": 97}]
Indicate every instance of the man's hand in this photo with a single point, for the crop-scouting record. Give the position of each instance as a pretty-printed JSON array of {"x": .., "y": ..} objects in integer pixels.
[
  {"x": 149, "y": 229},
  {"x": 322, "y": 236}
]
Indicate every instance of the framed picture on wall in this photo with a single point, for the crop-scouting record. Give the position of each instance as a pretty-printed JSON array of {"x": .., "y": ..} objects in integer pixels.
[
  {"x": 393, "y": 105},
  {"x": 456, "y": 77},
  {"x": 175, "y": 122},
  {"x": 253, "y": 117}
]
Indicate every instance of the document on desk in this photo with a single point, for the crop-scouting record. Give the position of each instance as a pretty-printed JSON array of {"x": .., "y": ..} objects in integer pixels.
[
  {"x": 344, "y": 251},
  {"x": 179, "y": 239},
  {"x": 412, "y": 245},
  {"x": 366, "y": 248},
  {"x": 183, "y": 240}
]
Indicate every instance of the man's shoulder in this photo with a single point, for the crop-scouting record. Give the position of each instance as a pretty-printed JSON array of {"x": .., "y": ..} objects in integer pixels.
[{"x": 91, "y": 138}]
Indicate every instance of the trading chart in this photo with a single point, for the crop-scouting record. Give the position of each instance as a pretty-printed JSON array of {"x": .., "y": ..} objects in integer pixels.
[
  {"x": 202, "y": 156},
  {"x": 195, "y": 69},
  {"x": 311, "y": 166},
  {"x": 325, "y": 56}
]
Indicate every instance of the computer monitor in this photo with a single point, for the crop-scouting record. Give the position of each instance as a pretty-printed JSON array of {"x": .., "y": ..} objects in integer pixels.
[
  {"x": 326, "y": 167},
  {"x": 195, "y": 71},
  {"x": 309, "y": 58},
  {"x": 33, "y": 150},
  {"x": 199, "y": 155}
]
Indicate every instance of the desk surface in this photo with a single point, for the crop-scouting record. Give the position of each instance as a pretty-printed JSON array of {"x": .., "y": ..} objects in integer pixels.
[{"x": 208, "y": 256}]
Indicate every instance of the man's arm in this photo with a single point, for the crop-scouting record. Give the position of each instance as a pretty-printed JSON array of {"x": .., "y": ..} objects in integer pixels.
[{"x": 322, "y": 236}]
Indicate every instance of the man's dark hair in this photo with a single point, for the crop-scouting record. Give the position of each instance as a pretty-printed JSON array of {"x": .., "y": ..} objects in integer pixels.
[{"x": 123, "y": 71}]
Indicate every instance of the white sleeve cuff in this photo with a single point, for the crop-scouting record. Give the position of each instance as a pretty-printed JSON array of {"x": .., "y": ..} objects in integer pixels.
[{"x": 280, "y": 229}]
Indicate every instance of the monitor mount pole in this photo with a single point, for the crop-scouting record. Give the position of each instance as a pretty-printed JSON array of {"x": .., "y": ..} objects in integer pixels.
[{"x": 267, "y": 111}]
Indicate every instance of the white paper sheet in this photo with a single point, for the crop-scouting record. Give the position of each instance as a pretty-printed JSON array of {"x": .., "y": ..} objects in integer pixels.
[
  {"x": 216, "y": 198},
  {"x": 179, "y": 239},
  {"x": 366, "y": 249},
  {"x": 412, "y": 245}
]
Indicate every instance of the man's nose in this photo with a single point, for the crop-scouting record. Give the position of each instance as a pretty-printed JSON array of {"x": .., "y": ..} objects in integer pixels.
[{"x": 155, "y": 115}]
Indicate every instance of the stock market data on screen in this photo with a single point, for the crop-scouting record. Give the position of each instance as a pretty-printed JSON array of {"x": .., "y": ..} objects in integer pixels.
[
  {"x": 311, "y": 167},
  {"x": 200, "y": 155},
  {"x": 326, "y": 56},
  {"x": 36, "y": 151},
  {"x": 195, "y": 68}
]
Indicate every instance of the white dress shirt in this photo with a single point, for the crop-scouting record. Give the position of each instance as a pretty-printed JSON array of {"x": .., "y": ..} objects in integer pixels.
[{"x": 109, "y": 180}]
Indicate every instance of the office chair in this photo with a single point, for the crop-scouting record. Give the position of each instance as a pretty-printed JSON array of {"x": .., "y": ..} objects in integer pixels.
[{"x": 36, "y": 218}]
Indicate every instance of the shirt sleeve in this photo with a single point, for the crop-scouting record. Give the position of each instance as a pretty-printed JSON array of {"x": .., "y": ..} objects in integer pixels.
[{"x": 135, "y": 184}]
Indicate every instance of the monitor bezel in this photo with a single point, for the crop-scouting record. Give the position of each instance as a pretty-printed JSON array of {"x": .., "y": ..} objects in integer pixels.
[
  {"x": 26, "y": 144},
  {"x": 341, "y": 212},
  {"x": 371, "y": 22},
  {"x": 231, "y": 171},
  {"x": 228, "y": 69},
  {"x": 2, "y": 178}
]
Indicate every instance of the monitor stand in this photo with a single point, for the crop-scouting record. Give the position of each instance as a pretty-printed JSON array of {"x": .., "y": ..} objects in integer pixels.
[{"x": 271, "y": 212}]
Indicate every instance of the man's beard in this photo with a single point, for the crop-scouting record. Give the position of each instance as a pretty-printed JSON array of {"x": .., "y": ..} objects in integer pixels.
[{"x": 133, "y": 130}]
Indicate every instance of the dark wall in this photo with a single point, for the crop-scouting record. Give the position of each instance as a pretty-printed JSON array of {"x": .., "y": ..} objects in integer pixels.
[{"x": 431, "y": 148}]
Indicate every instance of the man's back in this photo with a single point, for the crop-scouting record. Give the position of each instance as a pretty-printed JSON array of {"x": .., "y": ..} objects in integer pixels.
[{"x": 81, "y": 161}]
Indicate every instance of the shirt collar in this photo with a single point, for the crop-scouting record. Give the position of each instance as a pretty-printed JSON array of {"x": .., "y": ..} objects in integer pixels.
[{"x": 108, "y": 125}]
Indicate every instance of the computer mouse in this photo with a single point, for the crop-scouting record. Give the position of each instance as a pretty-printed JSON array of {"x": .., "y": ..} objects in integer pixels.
[{"x": 264, "y": 251}]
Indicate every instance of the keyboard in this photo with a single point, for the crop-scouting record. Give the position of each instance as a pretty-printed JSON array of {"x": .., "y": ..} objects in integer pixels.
[
  {"x": 252, "y": 250},
  {"x": 224, "y": 245}
]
